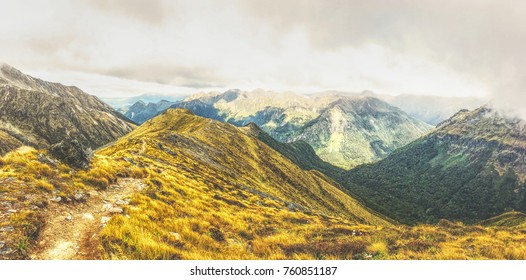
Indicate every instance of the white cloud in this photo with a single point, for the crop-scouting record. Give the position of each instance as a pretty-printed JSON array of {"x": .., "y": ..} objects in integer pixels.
[
  {"x": 108, "y": 86},
  {"x": 457, "y": 48}
]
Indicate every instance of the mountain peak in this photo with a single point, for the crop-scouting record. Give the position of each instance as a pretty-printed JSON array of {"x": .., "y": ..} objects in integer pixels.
[
  {"x": 471, "y": 167},
  {"x": 6, "y": 67},
  {"x": 367, "y": 93},
  {"x": 485, "y": 124},
  {"x": 9, "y": 72},
  {"x": 178, "y": 111},
  {"x": 39, "y": 113}
]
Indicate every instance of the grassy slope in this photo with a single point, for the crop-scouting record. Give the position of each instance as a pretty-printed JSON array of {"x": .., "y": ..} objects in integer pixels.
[
  {"x": 196, "y": 208},
  {"x": 29, "y": 179},
  {"x": 223, "y": 190},
  {"x": 299, "y": 152},
  {"x": 218, "y": 151},
  {"x": 470, "y": 169},
  {"x": 509, "y": 219}
]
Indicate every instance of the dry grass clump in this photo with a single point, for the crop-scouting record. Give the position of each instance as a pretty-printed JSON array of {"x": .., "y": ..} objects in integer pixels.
[
  {"x": 224, "y": 195},
  {"x": 30, "y": 178},
  {"x": 206, "y": 200}
]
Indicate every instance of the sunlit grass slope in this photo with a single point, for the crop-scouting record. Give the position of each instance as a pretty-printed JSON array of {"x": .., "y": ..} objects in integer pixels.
[
  {"x": 31, "y": 179},
  {"x": 214, "y": 192},
  {"x": 213, "y": 195},
  {"x": 214, "y": 186},
  {"x": 510, "y": 219}
]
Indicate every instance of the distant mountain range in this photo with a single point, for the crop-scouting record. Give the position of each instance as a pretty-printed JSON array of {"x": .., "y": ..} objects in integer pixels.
[
  {"x": 140, "y": 111},
  {"x": 427, "y": 108},
  {"x": 124, "y": 103},
  {"x": 472, "y": 167},
  {"x": 38, "y": 113},
  {"x": 343, "y": 130},
  {"x": 219, "y": 186}
]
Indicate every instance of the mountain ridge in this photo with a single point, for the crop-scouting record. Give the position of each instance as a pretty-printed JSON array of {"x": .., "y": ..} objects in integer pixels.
[
  {"x": 470, "y": 168},
  {"x": 340, "y": 136},
  {"x": 40, "y": 113}
]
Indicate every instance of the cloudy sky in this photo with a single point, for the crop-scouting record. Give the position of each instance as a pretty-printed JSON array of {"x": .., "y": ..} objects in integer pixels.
[{"x": 129, "y": 47}]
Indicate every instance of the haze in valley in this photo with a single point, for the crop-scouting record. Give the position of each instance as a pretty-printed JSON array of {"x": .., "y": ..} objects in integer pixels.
[{"x": 117, "y": 49}]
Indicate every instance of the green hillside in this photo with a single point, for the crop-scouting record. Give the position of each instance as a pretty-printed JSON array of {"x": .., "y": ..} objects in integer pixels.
[{"x": 470, "y": 168}]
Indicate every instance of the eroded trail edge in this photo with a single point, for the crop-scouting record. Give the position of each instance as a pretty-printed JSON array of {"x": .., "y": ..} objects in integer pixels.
[{"x": 72, "y": 231}]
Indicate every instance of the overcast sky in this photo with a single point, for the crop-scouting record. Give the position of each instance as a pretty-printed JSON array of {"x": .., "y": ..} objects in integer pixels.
[{"x": 129, "y": 47}]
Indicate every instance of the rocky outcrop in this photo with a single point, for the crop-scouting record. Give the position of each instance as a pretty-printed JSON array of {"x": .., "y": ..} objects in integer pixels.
[
  {"x": 38, "y": 113},
  {"x": 72, "y": 153}
]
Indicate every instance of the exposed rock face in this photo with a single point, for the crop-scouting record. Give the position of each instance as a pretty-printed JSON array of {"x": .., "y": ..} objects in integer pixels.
[
  {"x": 72, "y": 153},
  {"x": 141, "y": 112},
  {"x": 39, "y": 113},
  {"x": 472, "y": 167},
  {"x": 352, "y": 131},
  {"x": 343, "y": 130}
]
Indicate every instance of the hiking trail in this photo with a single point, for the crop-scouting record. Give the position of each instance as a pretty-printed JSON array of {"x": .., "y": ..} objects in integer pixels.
[{"x": 71, "y": 231}]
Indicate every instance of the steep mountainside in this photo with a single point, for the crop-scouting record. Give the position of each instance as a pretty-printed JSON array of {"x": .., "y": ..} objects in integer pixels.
[
  {"x": 357, "y": 130},
  {"x": 472, "y": 167},
  {"x": 140, "y": 112},
  {"x": 343, "y": 130},
  {"x": 185, "y": 187},
  {"x": 431, "y": 109},
  {"x": 39, "y": 113},
  {"x": 299, "y": 152}
]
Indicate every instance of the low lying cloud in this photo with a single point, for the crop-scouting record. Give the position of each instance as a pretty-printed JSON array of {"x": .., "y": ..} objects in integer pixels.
[
  {"x": 481, "y": 40},
  {"x": 197, "y": 77},
  {"x": 458, "y": 48},
  {"x": 151, "y": 11}
]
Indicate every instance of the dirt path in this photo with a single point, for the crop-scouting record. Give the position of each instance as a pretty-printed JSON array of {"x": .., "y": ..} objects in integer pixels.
[
  {"x": 71, "y": 232},
  {"x": 143, "y": 147}
]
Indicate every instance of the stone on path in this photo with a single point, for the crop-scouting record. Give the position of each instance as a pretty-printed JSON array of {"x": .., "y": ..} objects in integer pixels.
[{"x": 88, "y": 216}]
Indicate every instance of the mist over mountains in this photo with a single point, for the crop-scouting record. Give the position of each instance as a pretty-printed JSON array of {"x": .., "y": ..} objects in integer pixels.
[
  {"x": 470, "y": 168},
  {"x": 344, "y": 130},
  {"x": 263, "y": 130},
  {"x": 255, "y": 175}
]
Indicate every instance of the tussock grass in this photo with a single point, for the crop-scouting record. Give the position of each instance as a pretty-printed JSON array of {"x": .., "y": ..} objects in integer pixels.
[{"x": 227, "y": 196}]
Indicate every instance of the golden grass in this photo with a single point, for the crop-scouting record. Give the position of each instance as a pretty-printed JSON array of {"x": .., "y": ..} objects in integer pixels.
[
  {"x": 204, "y": 201},
  {"x": 27, "y": 184},
  {"x": 209, "y": 200}
]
